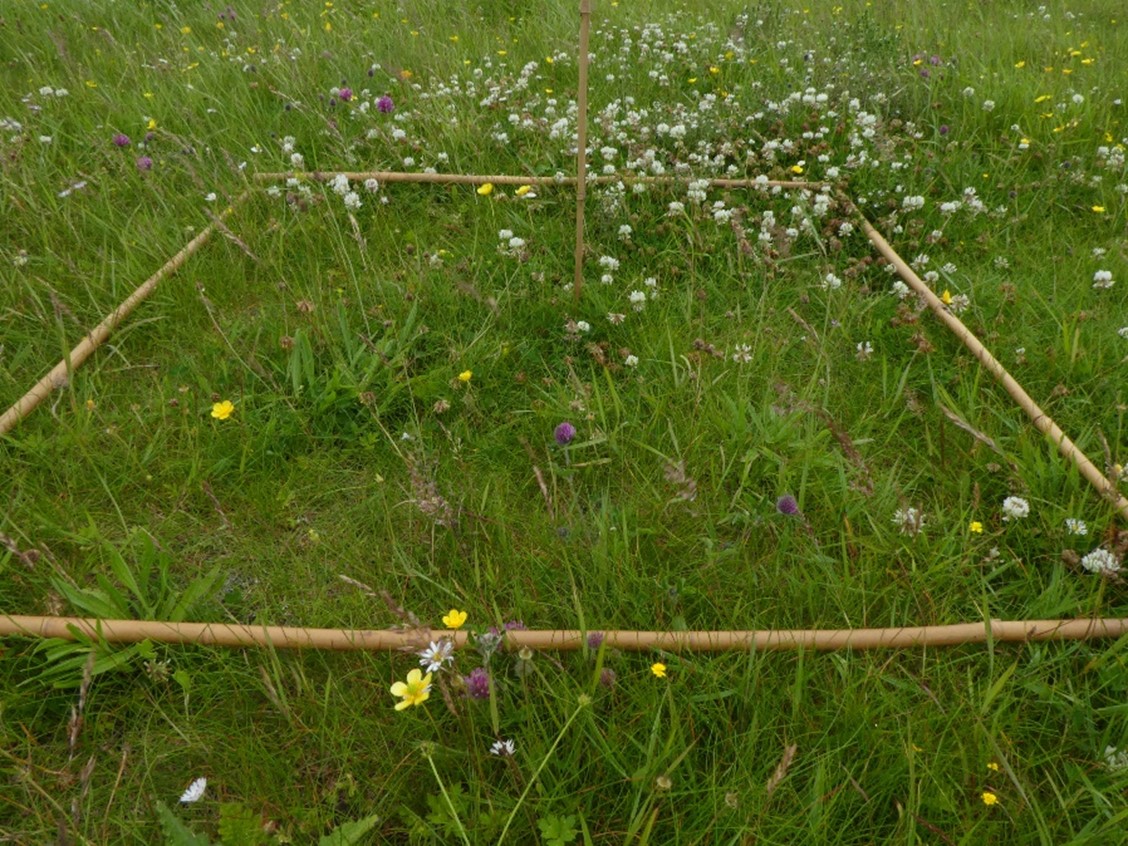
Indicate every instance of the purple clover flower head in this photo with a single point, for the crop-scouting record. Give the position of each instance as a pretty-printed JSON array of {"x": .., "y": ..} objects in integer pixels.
[
  {"x": 515, "y": 626},
  {"x": 594, "y": 640},
  {"x": 944, "y": 129},
  {"x": 787, "y": 504},
  {"x": 607, "y": 678},
  {"x": 385, "y": 104},
  {"x": 478, "y": 684},
  {"x": 564, "y": 433},
  {"x": 144, "y": 163},
  {"x": 345, "y": 94},
  {"x": 121, "y": 140}
]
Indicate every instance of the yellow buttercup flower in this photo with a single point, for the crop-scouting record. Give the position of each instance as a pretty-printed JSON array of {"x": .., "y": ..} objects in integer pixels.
[
  {"x": 975, "y": 527},
  {"x": 990, "y": 798},
  {"x": 658, "y": 669},
  {"x": 523, "y": 190},
  {"x": 465, "y": 376},
  {"x": 415, "y": 691},
  {"x": 946, "y": 297},
  {"x": 455, "y": 619},
  {"x": 797, "y": 169},
  {"x": 1099, "y": 209},
  {"x": 222, "y": 410},
  {"x": 486, "y": 189}
]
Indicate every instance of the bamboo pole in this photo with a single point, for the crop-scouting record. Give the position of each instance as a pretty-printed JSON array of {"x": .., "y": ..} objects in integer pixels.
[
  {"x": 1042, "y": 421},
  {"x": 62, "y": 371},
  {"x": 511, "y": 179},
  {"x": 292, "y": 637},
  {"x": 581, "y": 148}
]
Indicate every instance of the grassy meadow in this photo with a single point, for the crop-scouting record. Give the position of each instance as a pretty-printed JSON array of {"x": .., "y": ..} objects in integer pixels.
[{"x": 746, "y": 421}]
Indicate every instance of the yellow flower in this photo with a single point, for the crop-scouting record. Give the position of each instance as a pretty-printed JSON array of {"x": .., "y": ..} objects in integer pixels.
[
  {"x": 797, "y": 169},
  {"x": 713, "y": 69},
  {"x": 993, "y": 767},
  {"x": 222, "y": 410},
  {"x": 1042, "y": 98},
  {"x": 185, "y": 30},
  {"x": 946, "y": 297},
  {"x": 989, "y": 798},
  {"x": 975, "y": 527},
  {"x": 523, "y": 190},
  {"x": 455, "y": 619},
  {"x": 692, "y": 80},
  {"x": 1099, "y": 209},
  {"x": 1020, "y": 64},
  {"x": 659, "y": 670},
  {"x": 486, "y": 189},
  {"x": 415, "y": 691},
  {"x": 151, "y": 125},
  {"x": 465, "y": 376}
]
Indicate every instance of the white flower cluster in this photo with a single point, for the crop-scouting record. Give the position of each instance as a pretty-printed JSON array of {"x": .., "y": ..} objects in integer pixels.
[
  {"x": 1015, "y": 508},
  {"x": 1102, "y": 562}
]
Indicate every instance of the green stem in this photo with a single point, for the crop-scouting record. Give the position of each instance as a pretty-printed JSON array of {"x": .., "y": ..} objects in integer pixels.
[
  {"x": 442, "y": 789},
  {"x": 583, "y": 703}
]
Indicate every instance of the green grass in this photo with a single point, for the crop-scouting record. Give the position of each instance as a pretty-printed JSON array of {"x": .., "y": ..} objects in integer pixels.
[{"x": 355, "y": 449}]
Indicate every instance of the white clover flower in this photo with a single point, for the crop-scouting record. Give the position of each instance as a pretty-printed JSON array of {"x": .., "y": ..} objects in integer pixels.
[
  {"x": 371, "y": 185},
  {"x": 910, "y": 520},
  {"x": 297, "y": 160},
  {"x": 743, "y": 354},
  {"x": 210, "y": 197},
  {"x": 830, "y": 282},
  {"x": 631, "y": 361},
  {"x": 988, "y": 105},
  {"x": 625, "y": 232},
  {"x": 516, "y": 243},
  {"x": 864, "y": 350},
  {"x": 583, "y": 326},
  {"x": 609, "y": 262},
  {"x": 900, "y": 289},
  {"x": 504, "y": 234},
  {"x": 1122, "y": 331},
  {"x": 1115, "y": 759},
  {"x": 969, "y": 92},
  {"x": 340, "y": 184},
  {"x": 638, "y": 300},
  {"x": 1015, "y": 508},
  {"x": 352, "y": 201},
  {"x": 1102, "y": 562},
  {"x": 912, "y": 203},
  {"x": 1075, "y": 526},
  {"x": 1102, "y": 280},
  {"x": 615, "y": 318}
]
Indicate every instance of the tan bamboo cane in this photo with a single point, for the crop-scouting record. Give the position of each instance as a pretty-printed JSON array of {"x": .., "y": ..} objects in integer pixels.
[
  {"x": 292, "y": 637},
  {"x": 61, "y": 372},
  {"x": 1042, "y": 421},
  {"x": 581, "y": 148},
  {"x": 510, "y": 179}
]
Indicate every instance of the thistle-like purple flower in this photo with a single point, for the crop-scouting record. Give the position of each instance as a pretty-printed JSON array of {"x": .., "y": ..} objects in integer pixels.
[
  {"x": 478, "y": 684},
  {"x": 594, "y": 640},
  {"x": 564, "y": 433},
  {"x": 144, "y": 163},
  {"x": 787, "y": 504},
  {"x": 385, "y": 104},
  {"x": 121, "y": 140},
  {"x": 345, "y": 94}
]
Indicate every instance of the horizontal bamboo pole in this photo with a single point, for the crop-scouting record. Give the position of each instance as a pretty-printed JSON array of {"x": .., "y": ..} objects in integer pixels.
[
  {"x": 61, "y": 372},
  {"x": 1042, "y": 421},
  {"x": 510, "y": 179},
  {"x": 291, "y": 637}
]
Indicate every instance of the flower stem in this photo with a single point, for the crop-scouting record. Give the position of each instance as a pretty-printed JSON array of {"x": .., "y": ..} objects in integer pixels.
[
  {"x": 442, "y": 789},
  {"x": 584, "y": 702}
]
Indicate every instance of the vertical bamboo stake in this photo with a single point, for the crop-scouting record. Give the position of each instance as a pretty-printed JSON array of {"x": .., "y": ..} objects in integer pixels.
[
  {"x": 1042, "y": 421},
  {"x": 61, "y": 372},
  {"x": 581, "y": 148}
]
